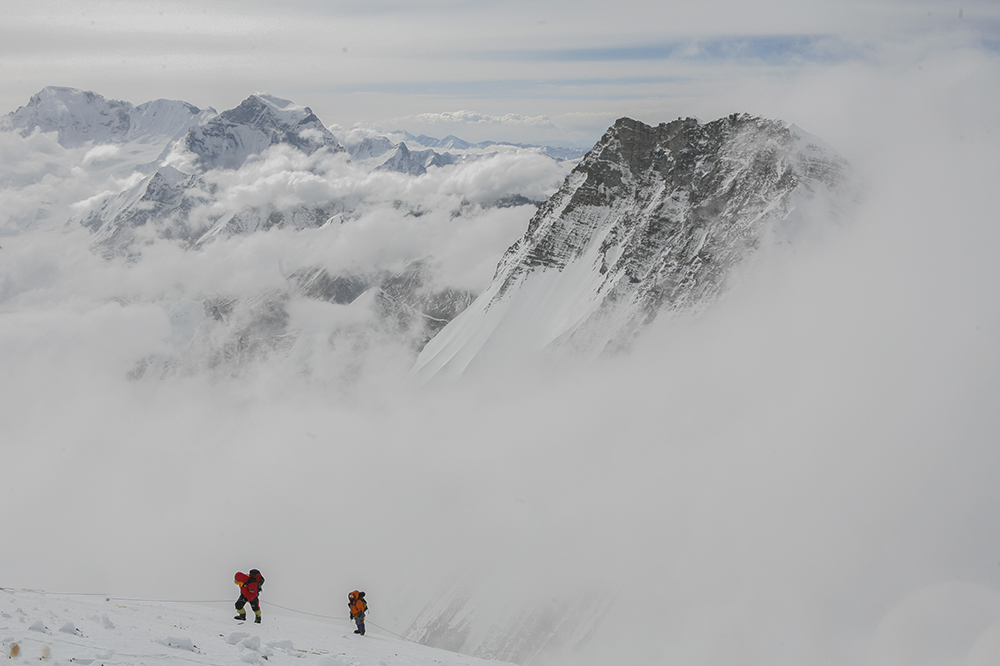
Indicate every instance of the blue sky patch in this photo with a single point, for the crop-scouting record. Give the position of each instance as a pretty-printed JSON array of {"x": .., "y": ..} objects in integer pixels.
[{"x": 773, "y": 50}]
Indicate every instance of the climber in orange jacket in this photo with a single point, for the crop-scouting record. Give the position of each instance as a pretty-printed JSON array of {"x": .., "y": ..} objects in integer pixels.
[
  {"x": 250, "y": 587},
  {"x": 358, "y": 606}
]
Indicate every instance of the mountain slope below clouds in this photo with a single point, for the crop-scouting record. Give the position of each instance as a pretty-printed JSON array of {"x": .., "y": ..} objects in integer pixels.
[{"x": 653, "y": 220}]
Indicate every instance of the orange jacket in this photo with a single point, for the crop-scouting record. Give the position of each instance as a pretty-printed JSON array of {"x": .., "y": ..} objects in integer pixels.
[{"x": 356, "y": 604}]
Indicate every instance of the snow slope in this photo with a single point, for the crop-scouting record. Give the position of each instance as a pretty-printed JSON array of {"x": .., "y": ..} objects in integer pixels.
[{"x": 101, "y": 630}]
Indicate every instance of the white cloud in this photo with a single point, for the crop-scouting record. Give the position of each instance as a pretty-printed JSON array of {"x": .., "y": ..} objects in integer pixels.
[
  {"x": 100, "y": 153},
  {"x": 465, "y": 117}
]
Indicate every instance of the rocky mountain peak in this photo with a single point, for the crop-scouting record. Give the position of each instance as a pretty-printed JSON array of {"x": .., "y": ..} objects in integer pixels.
[{"x": 652, "y": 220}]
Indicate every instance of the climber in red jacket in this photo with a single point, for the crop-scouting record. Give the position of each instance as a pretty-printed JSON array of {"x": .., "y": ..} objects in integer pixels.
[{"x": 250, "y": 587}]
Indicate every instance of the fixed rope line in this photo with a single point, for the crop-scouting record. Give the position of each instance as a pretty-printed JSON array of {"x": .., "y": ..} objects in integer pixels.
[
  {"x": 392, "y": 632},
  {"x": 330, "y": 617},
  {"x": 295, "y": 610}
]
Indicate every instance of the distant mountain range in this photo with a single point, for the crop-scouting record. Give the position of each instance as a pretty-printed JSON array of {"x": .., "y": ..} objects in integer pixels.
[
  {"x": 452, "y": 142},
  {"x": 169, "y": 158},
  {"x": 188, "y": 142}
]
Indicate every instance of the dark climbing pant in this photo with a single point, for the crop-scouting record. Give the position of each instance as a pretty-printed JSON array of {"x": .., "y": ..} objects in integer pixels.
[{"x": 243, "y": 601}]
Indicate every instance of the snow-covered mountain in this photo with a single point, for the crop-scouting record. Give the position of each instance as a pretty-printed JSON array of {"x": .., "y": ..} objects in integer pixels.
[
  {"x": 93, "y": 629},
  {"x": 80, "y": 116},
  {"x": 176, "y": 202},
  {"x": 449, "y": 142},
  {"x": 653, "y": 220},
  {"x": 415, "y": 162},
  {"x": 259, "y": 122},
  {"x": 371, "y": 147}
]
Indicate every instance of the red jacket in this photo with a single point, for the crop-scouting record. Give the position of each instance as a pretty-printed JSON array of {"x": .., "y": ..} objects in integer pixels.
[{"x": 248, "y": 586}]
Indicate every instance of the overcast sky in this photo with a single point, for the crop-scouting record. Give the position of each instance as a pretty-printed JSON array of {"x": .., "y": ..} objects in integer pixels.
[{"x": 554, "y": 70}]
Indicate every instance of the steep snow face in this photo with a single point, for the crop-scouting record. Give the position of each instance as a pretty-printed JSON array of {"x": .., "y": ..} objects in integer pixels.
[
  {"x": 259, "y": 122},
  {"x": 79, "y": 116},
  {"x": 653, "y": 220},
  {"x": 95, "y": 629}
]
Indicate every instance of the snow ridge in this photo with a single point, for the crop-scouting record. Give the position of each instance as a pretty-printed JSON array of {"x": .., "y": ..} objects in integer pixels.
[{"x": 95, "y": 629}]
